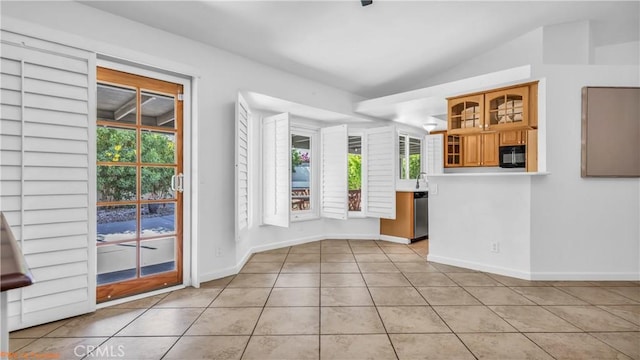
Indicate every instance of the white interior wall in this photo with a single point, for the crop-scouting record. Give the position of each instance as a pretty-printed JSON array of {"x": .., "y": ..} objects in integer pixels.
[
  {"x": 579, "y": 228},
  {"x": 582, "y": 228},
  {"x": 219, "y": 74}
]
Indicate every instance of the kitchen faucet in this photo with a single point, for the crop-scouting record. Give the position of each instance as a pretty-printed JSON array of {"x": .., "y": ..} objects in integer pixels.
[{"x": 418, "y": 179}]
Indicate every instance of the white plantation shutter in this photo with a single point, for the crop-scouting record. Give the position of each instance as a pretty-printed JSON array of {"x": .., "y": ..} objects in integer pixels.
[
  {"x": 334, "y": 177},
  {"x": 276, "y": 170},
  {"x": 434, "y": 154},
  {"x": 242, "y": 165},
  {"x": 379, "y": 167},
  {"x": 45, "y": 106}
]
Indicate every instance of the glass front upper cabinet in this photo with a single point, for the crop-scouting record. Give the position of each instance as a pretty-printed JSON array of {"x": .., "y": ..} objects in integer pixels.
[
  {"x": 507, "y": 109},
  {"x": 466, "y": 114}
]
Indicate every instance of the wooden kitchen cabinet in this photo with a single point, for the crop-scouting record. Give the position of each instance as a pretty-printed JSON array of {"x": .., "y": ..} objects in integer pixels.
[
  {"x": 402, "y": 225},
  {"x": 466, "y": 114},
  {"x": 480, "y": 150},
  {"x": 515, "y": 137},
  {"x": 452, "y": 151}
]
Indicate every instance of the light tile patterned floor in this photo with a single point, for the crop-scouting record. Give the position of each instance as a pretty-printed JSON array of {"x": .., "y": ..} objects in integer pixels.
[{"x": 339, "y": 299}]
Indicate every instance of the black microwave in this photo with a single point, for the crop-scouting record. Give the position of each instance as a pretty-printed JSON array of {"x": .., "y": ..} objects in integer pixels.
[{"x": 513, "y": 156}]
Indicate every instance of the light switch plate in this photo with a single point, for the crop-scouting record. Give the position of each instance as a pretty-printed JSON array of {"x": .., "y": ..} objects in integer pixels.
[{"x": 433, "y": 189}]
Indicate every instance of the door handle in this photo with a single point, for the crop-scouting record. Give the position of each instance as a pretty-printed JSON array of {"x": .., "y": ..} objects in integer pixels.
[
  {"x": 180, "y": 182},
  {"x": 173, "y": 183}
]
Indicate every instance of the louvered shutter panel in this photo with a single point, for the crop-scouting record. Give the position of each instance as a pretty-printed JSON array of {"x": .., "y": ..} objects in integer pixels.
[
  {"x": 276, "y": 170},
  {"x": 380, "y": 172},
  {"x": 334, "y": 177},
  {"x": 242, "y": 165},
  {"x": 44, "y": 183},
  {"x": 434, "y": 154}
]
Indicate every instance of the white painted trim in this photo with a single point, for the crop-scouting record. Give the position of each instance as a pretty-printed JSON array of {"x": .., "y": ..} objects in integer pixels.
[
  {"x": 480, "y": 267},
  {"x": 195, "y": 176},
  {"x": 586, "y": 276},
  {"x": 395, "y": 239},
  {"x": 92, "y": 182},
  {"x": 139, "y": 296}
]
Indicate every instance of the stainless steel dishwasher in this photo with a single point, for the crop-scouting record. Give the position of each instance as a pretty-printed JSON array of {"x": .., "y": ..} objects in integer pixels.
[{"x": 420, "y": 215}]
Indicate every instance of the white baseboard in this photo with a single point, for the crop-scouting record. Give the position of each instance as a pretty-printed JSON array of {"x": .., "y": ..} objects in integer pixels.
[
  {"x": 540, "y": 276},
  {"x": 395, "y": 239},
  {"x": 586, "y": 276},
  {"x": 480, "y": 267}
]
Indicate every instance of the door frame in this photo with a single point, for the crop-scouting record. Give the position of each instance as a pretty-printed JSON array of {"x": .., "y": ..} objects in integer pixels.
[{"x": 189, "y": 238}]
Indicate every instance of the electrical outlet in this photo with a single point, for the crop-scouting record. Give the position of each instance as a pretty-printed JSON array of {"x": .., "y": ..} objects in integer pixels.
[
  {"x": 218, "y": 252},
  {"x": 433, "y": 189},
  {"x": 495, "y": 247}
]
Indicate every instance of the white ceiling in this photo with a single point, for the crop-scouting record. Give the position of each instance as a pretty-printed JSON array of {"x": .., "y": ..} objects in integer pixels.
[{"x": 385, "y": 48}]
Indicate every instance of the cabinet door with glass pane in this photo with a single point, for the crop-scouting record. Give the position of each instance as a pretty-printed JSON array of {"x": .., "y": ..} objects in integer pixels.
[
  {"x": 506, "y": 109},
  {"x": 466, "y": 114}
]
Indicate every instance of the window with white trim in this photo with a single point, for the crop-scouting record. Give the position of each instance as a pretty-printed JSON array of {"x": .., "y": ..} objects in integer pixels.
[
  {"x": 354, "y": 169},
  {"x": 409, "y": 157},
  {"x": 304, "y": 173}
]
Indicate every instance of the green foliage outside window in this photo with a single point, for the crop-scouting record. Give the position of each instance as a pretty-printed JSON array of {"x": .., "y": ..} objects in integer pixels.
[
  {"x": 355, "y": 172},
  {"x": 414, "y": 166},
  {"x": 117, "y": 183}
]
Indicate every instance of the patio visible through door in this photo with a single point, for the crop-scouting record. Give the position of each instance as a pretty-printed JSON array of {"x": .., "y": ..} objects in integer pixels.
[{"x": 139, "y": 184}]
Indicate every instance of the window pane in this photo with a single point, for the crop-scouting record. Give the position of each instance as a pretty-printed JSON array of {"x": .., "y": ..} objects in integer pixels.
[
  {"x": 158, "y": 110},
  {"x": 300, "y": 172},
  {"x": 116, "y": 223},
  {"x": 402, "y": 142},
  {"x": 156, "y": 183},
  {"x": 116, "y": 262},
  {"x": 116, "y": 104},
  {"x": 116, "y": 183},
  {"x": 158, "y": 147},
  {"x": 355, "y": 172},
  {"x": 414, "y": 157},
  {"x": 115, "y": 145},
  {"x": 157, "y": 219},
  {"x": 157, "y": 256}
]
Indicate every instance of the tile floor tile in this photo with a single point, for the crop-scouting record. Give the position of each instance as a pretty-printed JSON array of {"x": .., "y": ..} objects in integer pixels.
[
  {"x": 444, "y": 295},
  {"x": 253, "y": 280},
  {"x": 533, "y": 319},
  {"x": 298, "y": 280},
  {"x": 162, "y": 322},
  {"x": 356, "y": 347},
  {"x": 451, "y": 269},
  {"x": 298, "y": 347},
  {"x": 241, "y": 297},
  {"x": 17, "y": 344},
  {"x": 371, "y": 258},
  {"x": 429, "y": 279},
  {"x": 384, "y": 296},
  {"x": 337, "y": 268},
  {"x": 375, "y": 267},
  {"x": 415, "y": 267},
  {"x": 630, "y": 313},
  {"x": 311, "y": 267},
  {"x": 208, "y": 348},
  {"x": 337, "y": 258},
  {"x": 548, "y": 296},
  {"x": 411, "y": 319},
  {"x": 336, "y": 249},
  {"x": 341, "y": 280},
  {"x": 592, "y": 318},
  {"x": 597, "y": 296},
  {"x": 103, "y": 322},
  {"x": 473, "y": 279},
  {"x": 261, "y": 268},
  {"x": 397, "y": 250},
  {"x": 574, "y": 346},
  {"x": 134, "y": 348},
  {"x": 37, "y": 331},
  {"x": 503, "y": 346},
  {"x": 189, "y": 297},
  {"x": 143, "y": 303},
  {"x": 430, "y": 347},
  {"x": 60, "y": 348},
  {"x": 385, "y": 279},
  {"x": 294, "y": 297},
  {"x": 463, "y": 319},
  {"x": 492, "y": 295},
  {"x": 625, "y": 342},
  {"x": 350, "y": 320},
  {"x": 218, "y": 283},
  {"x": 261, "y": 257},
  {"x": 405, "y": 257},
  {"x": 631, "y": 292},
  {"x": 345, "y": 296},
  {"x": 225, "y": 321},
  {"x": 509, "y": 281},
  {"x": 309, "y": 248},
  {"x": 303, "y": 258},
  {"x": 289, "y": 321},
  {"x": 374, "y": 249}
]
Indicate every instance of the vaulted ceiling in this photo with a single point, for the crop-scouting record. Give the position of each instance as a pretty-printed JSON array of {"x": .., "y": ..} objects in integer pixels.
[{"x": 387, "y": 47}]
